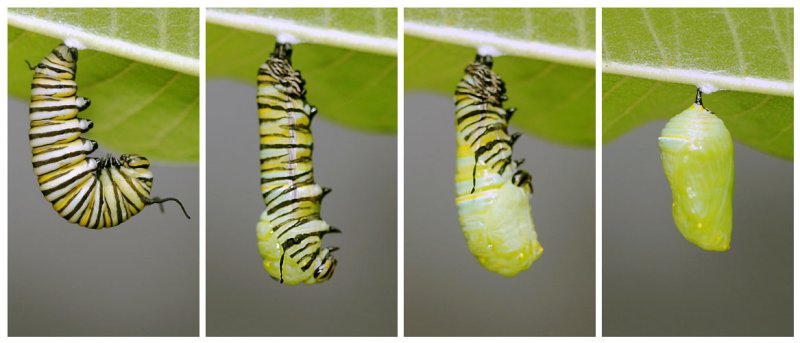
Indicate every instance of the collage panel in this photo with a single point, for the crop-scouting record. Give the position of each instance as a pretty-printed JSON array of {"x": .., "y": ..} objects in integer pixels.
[
  {"x": 138, "y": 276},
  {"x": 474, "y": 265},
  {"x": 281, "y": 261},
  {"x": 697, "y": 172}
]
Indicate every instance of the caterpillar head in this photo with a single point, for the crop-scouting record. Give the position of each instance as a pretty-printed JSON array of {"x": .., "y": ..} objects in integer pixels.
[
  {"x": 138, "y": 167},
  {"x": 485, "y": 83},
  {"x": 283, "y": 51},
  {"x": 279, "y": 67},
  {"x": 134, "y": 161},
  {"x": 66, "y": 53}
]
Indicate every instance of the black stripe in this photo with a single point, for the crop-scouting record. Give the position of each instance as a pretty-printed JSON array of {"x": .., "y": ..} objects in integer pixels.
[
  {"x": 54, "y": 133},
  {"x": 290, "y": 213},
  {"x": 495, "y": 154},
  {"x": 56, "y": 69},
  {"x": 49, "y": 86},
  {"x": 58, "y": 158},
  {"x": 329, "y": 272},
  {"x": 281, "y": 108},
  {"x": 505, "y": 161},
  {"x": 66, "y": 182},
  {"x": 300, "y": 250},
  {"x": 290, "y": 177},
  {"x": 298, "y": 223},
  {"x": 489, "y": 129},
  {"x": 58, "y": 54},
  {"x": 311, "y": 216},
  {"x": 296, "y": 240},
  {"x": 51, "y": 108},
  {"x": 311, "y": 260},
  {"x": 103, "y": 208},
  {"x": 270, "y": 120},
  {"x": 277, "y": 135},
  {"x": 479, "y": 111},
  {"x": 292, "y": 188},
  {"x": 482, "y": 150},
  {"x": 287, "y": 146},
  {"x": 290, "y": 202},
  {"x": 83, "y": 199},
  {"x": 464, "y": 128},
  {"x": 264, "y": 159},
  {"x": 117, "y": 194},
  {"x": 297, "y": 127},
  {"x": 142, "y": 197}
]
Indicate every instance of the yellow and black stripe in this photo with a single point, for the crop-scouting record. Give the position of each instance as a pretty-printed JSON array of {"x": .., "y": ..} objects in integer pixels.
[
  {"x": 492, "y": 192},
  {"x": 92, "y": 192},
  {"x": 290, "y": 230},
  {"x": 482, "y": 123}
]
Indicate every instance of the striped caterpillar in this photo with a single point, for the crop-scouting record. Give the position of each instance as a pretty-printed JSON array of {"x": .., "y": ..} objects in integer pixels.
[
  {"x": 92, "y": 192},
  {"x": 697, "y": 156},
  {"x": 492, "y": 193},
  {"x": 290, "y": 229}
]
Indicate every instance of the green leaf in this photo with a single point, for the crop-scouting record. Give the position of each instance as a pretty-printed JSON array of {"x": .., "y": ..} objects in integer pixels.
[
  {"x": 352, "y": 80},
  {"x": 137, "y": 107},
  {"x": 655, "y": 58},
  {"x": 544, "y": 64}
]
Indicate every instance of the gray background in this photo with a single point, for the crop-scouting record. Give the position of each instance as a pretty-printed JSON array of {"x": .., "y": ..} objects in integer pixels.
[
  {"x": 137, "y": 279},
  {"x": 361, "y": 168},
  {"x": 655, "y": 283},
  {"x": 447, "y": 293}
]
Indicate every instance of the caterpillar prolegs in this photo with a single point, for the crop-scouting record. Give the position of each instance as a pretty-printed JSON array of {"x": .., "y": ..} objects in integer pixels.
[
  {"x": 492, "y": 193},
  {"x": 697, "y": 156},
  {"x": 290, "y": 229},
  {"x": 92, "y": 192}
]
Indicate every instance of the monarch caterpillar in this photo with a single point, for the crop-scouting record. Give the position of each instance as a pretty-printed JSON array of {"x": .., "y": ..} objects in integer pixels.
[
  {"x": 94, "y": 193},
  {"x": 290, "y": 229},
  {"x": 492, "y": 193},
  {"x": 697, "y": 156}
]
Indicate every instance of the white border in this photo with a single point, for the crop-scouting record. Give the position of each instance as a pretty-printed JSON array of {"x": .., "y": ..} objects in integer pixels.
[
  {"x": 202, "y": 166},
  {"x": 400, "y": 177},
  {"x": 396, "y": 3},
  {"x": 598, "y": 180}
]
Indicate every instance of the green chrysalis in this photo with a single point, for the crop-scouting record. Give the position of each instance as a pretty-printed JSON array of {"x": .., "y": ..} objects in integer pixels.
[
  {"x": 492, "y": 191},
  {"x": 697, "y": 156}
]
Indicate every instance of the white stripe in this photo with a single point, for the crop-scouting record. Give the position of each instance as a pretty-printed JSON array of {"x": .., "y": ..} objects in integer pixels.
[
  {"x": 515, "y": 47},
  {"x": 113, "y": 46},
  {"x": 303, "y": 32},
  {"x": 703, "y": 78}
]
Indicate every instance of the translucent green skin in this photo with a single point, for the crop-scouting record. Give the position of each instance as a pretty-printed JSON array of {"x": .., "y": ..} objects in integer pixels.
[{"x": 697, "y": 156}]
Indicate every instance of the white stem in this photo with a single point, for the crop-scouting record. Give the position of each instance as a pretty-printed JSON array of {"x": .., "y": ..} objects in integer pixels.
[
  {"x": 113, "y": 46},
  {"x": 703, "y": 78},
  {"x": 303, "y": 32},
  {"x": 516, "y": 47}
]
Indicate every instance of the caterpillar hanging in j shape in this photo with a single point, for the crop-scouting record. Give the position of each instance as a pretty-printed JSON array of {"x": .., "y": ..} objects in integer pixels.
[
  {"x": 492, "y": 192},
  {"x": 697, "y": 156},
  {"x": 92, "y": 192},
  {"x": 290, "y": 229}
]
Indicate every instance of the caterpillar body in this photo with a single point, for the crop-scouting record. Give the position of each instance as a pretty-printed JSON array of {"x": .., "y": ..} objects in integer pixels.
[
  {"x": 290, "y": 229},
  {"x": 492, "y": 193},
  {"x": 697, "y": 156},
  {"x": 94, "y": 193}
]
